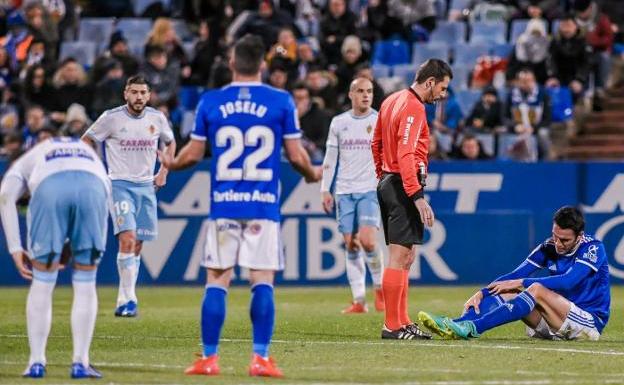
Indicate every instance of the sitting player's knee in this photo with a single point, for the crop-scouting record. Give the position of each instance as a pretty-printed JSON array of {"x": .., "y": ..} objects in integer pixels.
[{"x": 536, "y": 289}]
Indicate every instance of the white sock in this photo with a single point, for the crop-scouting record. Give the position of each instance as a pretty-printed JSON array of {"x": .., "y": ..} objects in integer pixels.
[
  {"x": 374, "y": 261},
  {"x": 356, "y": 273},
  {"x": 83, "y": 314},
  {"x": 126, "y": 266},
  {"x": 137, "y": 262},
  {"x": 39, "y": 313}
]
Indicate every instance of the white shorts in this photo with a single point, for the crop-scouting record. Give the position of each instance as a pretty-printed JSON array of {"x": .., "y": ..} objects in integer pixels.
[
  {"x": 250, "y": 243},
  {"x": 578, "y": 325}
]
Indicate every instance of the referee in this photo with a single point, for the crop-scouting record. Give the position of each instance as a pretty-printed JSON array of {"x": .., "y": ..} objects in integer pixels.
[{"x": 400, "y": 148}]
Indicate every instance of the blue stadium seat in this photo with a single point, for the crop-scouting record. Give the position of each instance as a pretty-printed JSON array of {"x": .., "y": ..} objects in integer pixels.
[
  {"x": 182, "y": 30},
  {"x": 134, "y": 29},
  {"x": 467, "y": 99},
  {"x": 489, "y": 33},
  {"x": 407, "y": 72},
  {"x": 449, "y": 33},
  {"x": 425, "y": 51},
  {"x": 380, "y": 71},
  {"x": 82, "y": 51},
  {"x": 467, "y": 54},
  {"x": 391, "y": 52},
  {"x": 502, "y": 50},
  {"x": 459, "y": 5},
  {"x": 512, "y": 145},
  {"x": 97, "y": 29},
  {"x": 460, "y": 77},
  {"x": 188, "y": 122},
  {"x": 137, "y": 48},
  {"x": 518, "y": 26}
]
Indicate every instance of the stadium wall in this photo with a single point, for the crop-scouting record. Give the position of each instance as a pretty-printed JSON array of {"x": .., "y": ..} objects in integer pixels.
[{"x": 489, "y": 216}]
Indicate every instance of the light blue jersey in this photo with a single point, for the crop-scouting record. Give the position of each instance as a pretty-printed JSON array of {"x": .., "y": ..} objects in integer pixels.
[
  {"x": 592, "y": 294},
  {"x": 245, "y": 124}
]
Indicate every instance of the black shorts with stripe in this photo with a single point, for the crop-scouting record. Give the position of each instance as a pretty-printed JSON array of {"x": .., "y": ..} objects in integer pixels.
[{"x": 399, "y": 216}]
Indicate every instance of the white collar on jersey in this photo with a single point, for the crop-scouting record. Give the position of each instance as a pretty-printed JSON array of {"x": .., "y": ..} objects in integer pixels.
[{"x": 245, "y": 84}]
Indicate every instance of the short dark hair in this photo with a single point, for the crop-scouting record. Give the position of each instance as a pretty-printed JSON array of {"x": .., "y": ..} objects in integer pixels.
[
  {"x": 248, "y": 55},
  {"x": 300, "y": 85},
  {"x": 435, "y": 68},
  {"x": 568, "y": 16},
  {"x": 137, "y": 79},
  {"x": 569, "y": 217}
]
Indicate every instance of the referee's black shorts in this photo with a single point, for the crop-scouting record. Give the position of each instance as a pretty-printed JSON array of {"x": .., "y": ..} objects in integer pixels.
[{"x": 400, "y": 218}]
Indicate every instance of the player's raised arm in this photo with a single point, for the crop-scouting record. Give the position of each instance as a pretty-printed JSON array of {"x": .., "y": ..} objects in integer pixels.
[{"x": 299, "y": 159}]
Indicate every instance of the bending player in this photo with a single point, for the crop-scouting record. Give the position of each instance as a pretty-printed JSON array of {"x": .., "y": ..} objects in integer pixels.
[
  {"x": 131, "y": 133},
  {"x": 573, "y": 302},
  {"x": 246, "y": 124},
  {"x": 69, "y": 194},
  {"x": 357, "y": 209}
]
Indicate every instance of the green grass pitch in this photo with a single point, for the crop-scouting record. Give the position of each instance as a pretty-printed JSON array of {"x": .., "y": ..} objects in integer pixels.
[{"x": 313, "y": 344}]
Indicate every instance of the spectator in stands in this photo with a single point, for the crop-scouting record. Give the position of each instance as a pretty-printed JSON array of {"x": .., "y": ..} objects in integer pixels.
[
  {"x": 205, "y": 52},
  {"x": 162, "y": 76},
  {"x": 266, "y": 23},
  {"x": 17, "y": 40},
  {"x": 470, "y": 148},
  {"x": 487, "y": 114},
  {"x": 529, "y": 110},
  {"x": 278, "y": 75},
  {"x": 307, "y": 56},
  {"x": 445, "y": 115},
  {"x": 37, "y": 54},
  {"x": 62, "y": 14},
  {"x": 220, "y": 73},
  {"x": 36, "y": 90},
  {"x": 337, "y": 23},
  {"x": 307, "y": 20},
  {"x": 285, "y": 48},
  {"x": 531, "y": 51},
  {"x": 491, "y": 10},
  {"x": 351, "y": 52},
  {"x": 41, "y": 25},
  {"x": 6, "y": 71},
  {"x": 118, "y": 50},
  {"x": 321, "y": 86},
  {"x": 435, "y": 152},
  {"x": 314, "y": 121},
  {"x": 35, "y": 122},
  {"x": 11, "y": 147},
  {"x": 108, "y": 90},
  {"x": 381, "y": 25},
  {"x": 596, "y": 27},
  {"x": 76, "y": 122},
  {"x": 9, "y": 113},
  {"x": 412, "y": 12},
  {"x": 540, "y": 9},
  {"x": 568, "y": 60},
  {"x": 364, "y": 70},
  {"x": 164, "y": 35},
  {"x": 70, "y": 86}
]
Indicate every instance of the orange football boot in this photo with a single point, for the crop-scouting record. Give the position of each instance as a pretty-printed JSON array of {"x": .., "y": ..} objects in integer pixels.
[
  {"x": 208, "y": 366},
  {"x": 264, "y": 367},
  {"x": 355, "y": 308}
]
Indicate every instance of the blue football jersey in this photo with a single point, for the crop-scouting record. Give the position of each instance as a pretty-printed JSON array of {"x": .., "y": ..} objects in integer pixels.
[
  {"x": 245, "y": 124},
  {"x": 593, "y": 293}
]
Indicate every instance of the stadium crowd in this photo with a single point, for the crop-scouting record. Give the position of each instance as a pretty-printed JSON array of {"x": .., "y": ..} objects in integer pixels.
[{"x": 524, "y": 70}]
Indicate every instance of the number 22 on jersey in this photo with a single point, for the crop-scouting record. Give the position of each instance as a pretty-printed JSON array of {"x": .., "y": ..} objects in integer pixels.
[{"x": 260, "y": 136}]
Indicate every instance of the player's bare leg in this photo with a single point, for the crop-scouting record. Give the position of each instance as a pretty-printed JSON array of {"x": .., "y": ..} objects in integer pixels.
[
  {"x": 374, "y": 260},
  {"x": 356, "y": 274},
  {"x": 262, "y": 312}
]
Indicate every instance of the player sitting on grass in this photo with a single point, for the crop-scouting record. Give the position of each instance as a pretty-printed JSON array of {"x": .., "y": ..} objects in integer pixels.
[{"x": 571, "y": 303}]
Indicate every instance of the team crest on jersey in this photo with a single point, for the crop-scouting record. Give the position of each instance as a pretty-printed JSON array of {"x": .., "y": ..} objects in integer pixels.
[
  {"x": 152, "y": 129},
  {"x": 244, "y": 93},
  {"x": 591, "y": 253},
  {"x": 369, "y": 128},
  {"x": 120, "y": 221}
]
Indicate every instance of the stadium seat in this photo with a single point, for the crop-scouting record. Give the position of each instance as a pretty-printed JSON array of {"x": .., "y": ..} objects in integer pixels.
[
  {"x": 182, "y": 30},
  {"x": 466, "y": 54},
  {"x": 501, "y": 50},
  {"x": 188, "y": 122},
  {"x": 460, "y": 77},
  {"x": 459, "y": 5},
  {"x": 448, "y": 32},
  {"x": 489, "y": 33},
  {"x": 511, "y": 146},
  {"x": 467, "y": 99},
  {"x": 425, "y": 51},
  {"x": 82, "y": 51},
  {"x": 381, "y": 71},
  {"x": 97, "y": 29},
  {"x": 391, "y": 52},
  {"x": 137, "y": 48},
  {"x": 407, "y": 72},
  {"x": 134, "y": 29},
  {"x": 518, "y": 26}
]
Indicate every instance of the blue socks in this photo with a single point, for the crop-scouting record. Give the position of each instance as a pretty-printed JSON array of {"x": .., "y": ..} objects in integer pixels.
[
  {"x": 262, "y": 313},
  {"x": 212, "y": 318},
  {"x": 487, "y": 304},
  {"x": 513, "y": 310}
]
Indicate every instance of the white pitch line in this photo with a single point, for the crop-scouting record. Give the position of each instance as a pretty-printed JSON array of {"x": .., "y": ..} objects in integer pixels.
[
  {"x": 476, "y": 382},
  {"x": 371, "y": 343}
]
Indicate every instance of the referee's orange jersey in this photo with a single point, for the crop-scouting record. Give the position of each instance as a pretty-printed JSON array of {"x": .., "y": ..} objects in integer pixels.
[{"x": 401, "y": 139}]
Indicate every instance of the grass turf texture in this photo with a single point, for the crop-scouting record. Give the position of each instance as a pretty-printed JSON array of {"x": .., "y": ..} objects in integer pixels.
[{"x": 314, "y": 343}]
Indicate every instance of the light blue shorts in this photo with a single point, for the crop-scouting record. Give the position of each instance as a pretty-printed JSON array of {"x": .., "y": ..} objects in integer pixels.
[
  {"x": 69, "y": 205},
  {"x": 355, "y": 210},
  {"x": 134, "y": 208}
]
